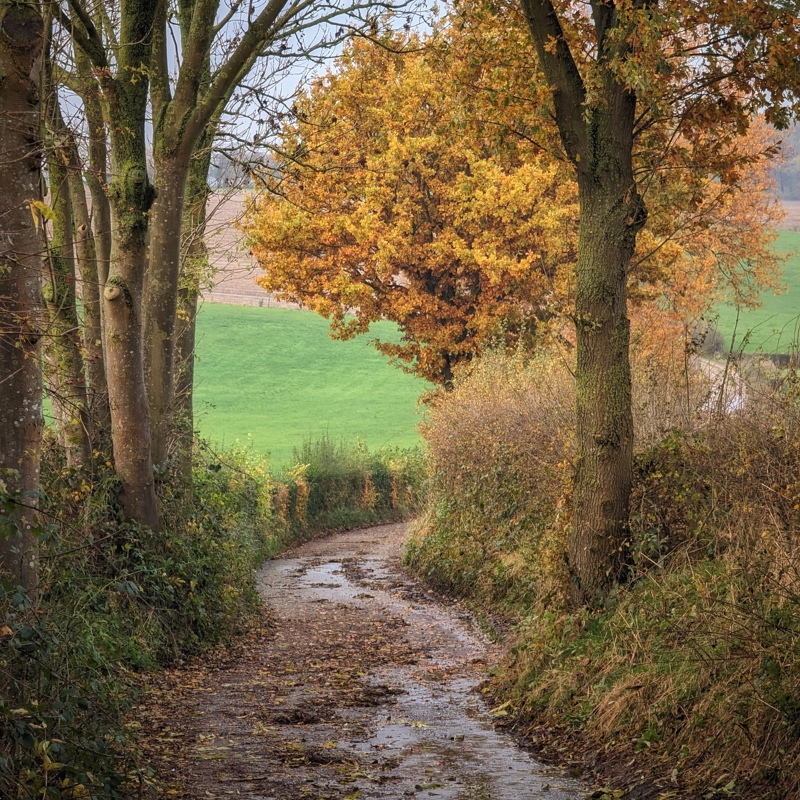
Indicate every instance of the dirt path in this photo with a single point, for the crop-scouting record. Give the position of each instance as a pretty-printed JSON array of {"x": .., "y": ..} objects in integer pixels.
[{"x": 363, "y": 686}]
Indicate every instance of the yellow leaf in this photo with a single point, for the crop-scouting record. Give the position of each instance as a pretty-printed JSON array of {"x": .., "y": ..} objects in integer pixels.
[
  {"x": 43, "y": 209},
  {"x": 501, "y": 710}
]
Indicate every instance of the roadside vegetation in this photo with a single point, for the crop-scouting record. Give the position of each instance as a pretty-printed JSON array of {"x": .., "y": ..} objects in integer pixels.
[
  {"x": 524, "y": 176},
  {"x": 686, "y": 680},
  {"x": 117, "y": 601}
]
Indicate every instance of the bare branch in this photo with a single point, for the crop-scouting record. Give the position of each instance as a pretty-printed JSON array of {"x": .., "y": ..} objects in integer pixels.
[
  {"x": 561, "y": 71},
  {"x": 92, "y": 45},
  {"x": 227, "y": 18}
]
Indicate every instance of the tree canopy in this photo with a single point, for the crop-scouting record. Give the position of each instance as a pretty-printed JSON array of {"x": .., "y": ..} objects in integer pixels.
[
  {"x": 390, "y": 199},
  {"x": 418, "y": 181}
]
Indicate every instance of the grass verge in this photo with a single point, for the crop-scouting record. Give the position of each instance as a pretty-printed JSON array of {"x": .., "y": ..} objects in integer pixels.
[
  {"x": 687, "y": 683},
  {"x": 774, "y": 327}
]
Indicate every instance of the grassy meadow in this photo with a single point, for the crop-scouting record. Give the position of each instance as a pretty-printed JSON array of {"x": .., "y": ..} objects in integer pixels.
[
  {"x": 272, "y": 377},
  {"x": 775, "y": 326}
]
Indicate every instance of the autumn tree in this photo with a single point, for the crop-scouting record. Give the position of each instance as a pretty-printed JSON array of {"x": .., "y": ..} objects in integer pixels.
[
  {"x": 21, "y": 41},
  {"x": 419, "y": 182},
  {"x": 709, "y": 241},
  {"x": 625, "y": 79},
  {"x": 353, "y": 215},
  {"x": 390, "y": 199}
]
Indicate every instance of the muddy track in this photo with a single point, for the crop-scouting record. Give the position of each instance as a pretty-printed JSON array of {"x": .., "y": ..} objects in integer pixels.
[{"x": 358, "y": 683}]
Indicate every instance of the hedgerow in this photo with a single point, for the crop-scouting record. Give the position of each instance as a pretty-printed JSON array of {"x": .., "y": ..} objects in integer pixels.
[
  {"x": 116, "y": 601},
  {"x": 690, "y": 674}
]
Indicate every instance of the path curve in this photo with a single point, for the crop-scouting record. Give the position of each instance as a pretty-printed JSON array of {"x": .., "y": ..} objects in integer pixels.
[{"x": 365, "y": 686}]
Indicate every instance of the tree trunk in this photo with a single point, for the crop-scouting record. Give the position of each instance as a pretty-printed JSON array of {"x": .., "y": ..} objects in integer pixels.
[
  {"x": 161, "y": 295},
  {"x": 131, "y": 197},
  {"x": 598, "y": 546},
  {"x": 21, "y": 39},
  {"x": 188, "y": 299},
  {"x": 97, "y": 173},
  {"x": 68, "y": 387},
  {"x": 195, "y": 271},
  {"x": 596, "y": 131},
  {"x": 611, "y": 214},
  {"x": 86, "y": 256},
  {"x": 130, "y": 416},
  {"x": 93, "y": 240}
]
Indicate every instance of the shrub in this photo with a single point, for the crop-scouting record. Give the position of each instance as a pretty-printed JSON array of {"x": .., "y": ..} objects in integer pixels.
[
  {"x": 690, "y": 673},
  {"x": 333, "y": 485},
  {"x": 499, "y": 454},
  {"x": 115, "y": 600}
]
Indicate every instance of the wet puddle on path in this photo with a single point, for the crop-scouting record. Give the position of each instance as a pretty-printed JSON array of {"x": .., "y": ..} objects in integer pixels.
[{"x": 431, "y": 735}]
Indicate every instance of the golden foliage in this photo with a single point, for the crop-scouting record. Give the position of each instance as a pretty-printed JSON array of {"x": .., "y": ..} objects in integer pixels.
[
  {"x": 393, "y": 201},
  {"x": 417, "y": 182}
]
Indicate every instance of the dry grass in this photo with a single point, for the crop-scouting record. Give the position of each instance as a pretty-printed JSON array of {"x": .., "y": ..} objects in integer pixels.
[{"x": 691, "y": 674}]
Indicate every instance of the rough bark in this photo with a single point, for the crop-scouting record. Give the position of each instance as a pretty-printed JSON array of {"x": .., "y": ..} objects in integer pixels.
[
  {"x": 21, "y": 41},
  {"x": 598, "y": 545},
  {"x": 597, "y": 136},
  {"x": 161, "y": 295},
  {"x": 131, "y": 196}
]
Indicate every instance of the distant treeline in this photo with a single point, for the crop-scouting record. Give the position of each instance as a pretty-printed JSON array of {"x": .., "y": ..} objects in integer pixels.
[{"x": 787, "y": 175}]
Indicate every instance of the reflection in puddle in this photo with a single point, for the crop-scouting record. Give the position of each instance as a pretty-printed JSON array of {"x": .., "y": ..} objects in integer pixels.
[{"x": 436, "y": 739}]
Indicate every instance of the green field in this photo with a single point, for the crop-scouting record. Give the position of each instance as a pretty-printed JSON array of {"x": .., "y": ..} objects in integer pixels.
[
  {"x": 272, "y": 377},
  {"x": 775, "y": 326}
]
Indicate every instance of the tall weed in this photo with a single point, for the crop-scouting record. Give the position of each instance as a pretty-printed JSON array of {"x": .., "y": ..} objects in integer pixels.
[{"x": 691, "y": 672}]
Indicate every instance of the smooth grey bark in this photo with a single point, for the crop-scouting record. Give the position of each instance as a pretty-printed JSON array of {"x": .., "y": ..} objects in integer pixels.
[
  {"x": 92, "y": 239},
  {"x": 195, "y": 270},
  {"x": 97, "y": 172},
  {"x": 88, "y": 269},
  {"x": 161, "y": 301},
  {"x": 21, "y": 45},
  {"x": 67, "y": 384}
]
